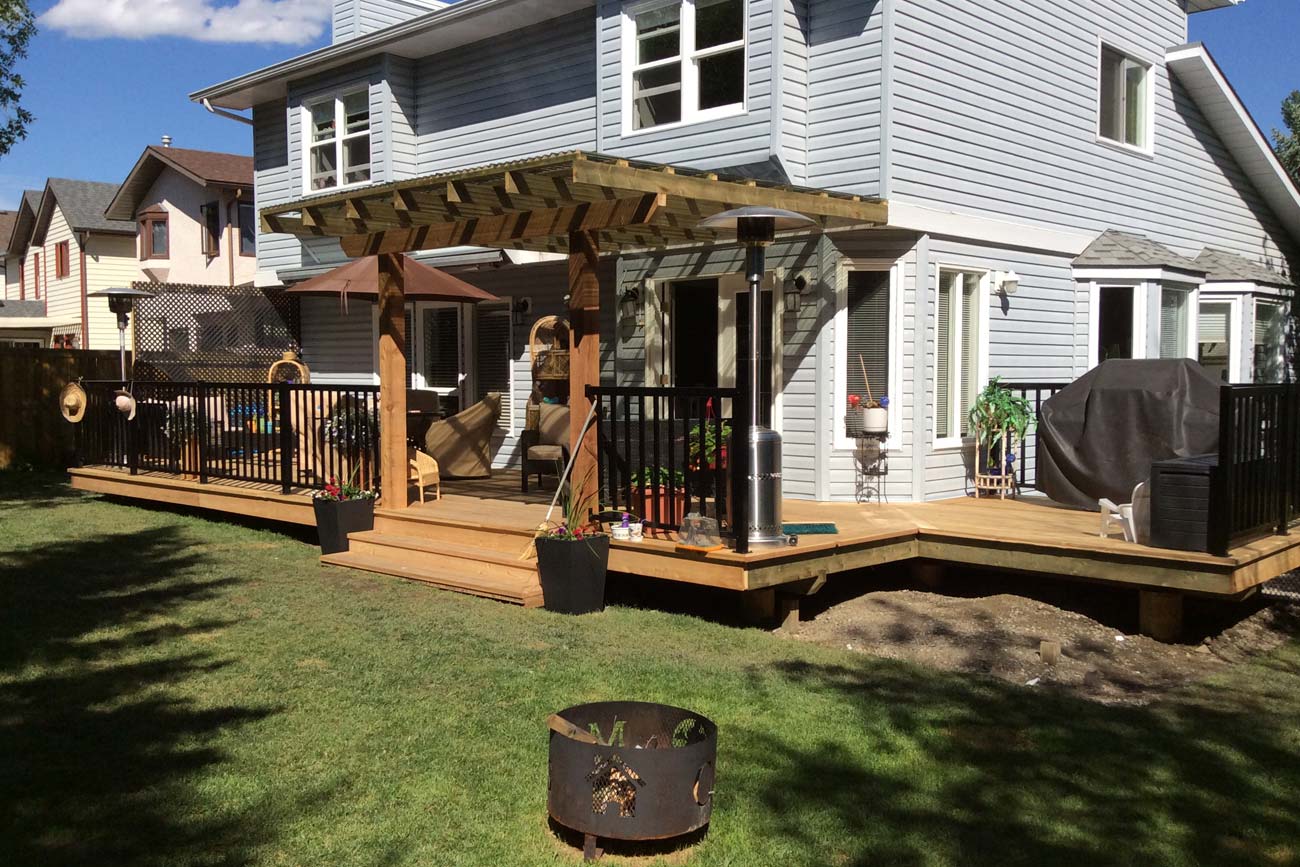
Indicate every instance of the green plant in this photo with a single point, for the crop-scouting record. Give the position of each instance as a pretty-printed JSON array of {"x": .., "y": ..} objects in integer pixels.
[
  {"x": 657, "y": 477},
  {"x": 576, "y": 523},
  {"x": 352, "y": 427},
  {"x": 712, "y": 440},
  {"x": 996, "y": 411}
]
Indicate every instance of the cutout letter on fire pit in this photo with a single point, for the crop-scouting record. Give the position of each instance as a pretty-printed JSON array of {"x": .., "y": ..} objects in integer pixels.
[{"x": 653, "y": 782}]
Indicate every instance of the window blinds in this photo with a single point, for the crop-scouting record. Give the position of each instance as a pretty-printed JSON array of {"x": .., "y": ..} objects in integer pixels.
[
  {"x": 442, "y": 347},
  {"x": 1173, "y": 323},
  {"x": 867, "y": 338},
  {"x": 494, "y": 354},
  {"x": 1213, "y": 327}
]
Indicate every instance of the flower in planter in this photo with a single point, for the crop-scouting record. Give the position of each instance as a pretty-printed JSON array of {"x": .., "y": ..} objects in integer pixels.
[
  {"x": 855, "y": 401},
  {"x": 347, "y": 491}
]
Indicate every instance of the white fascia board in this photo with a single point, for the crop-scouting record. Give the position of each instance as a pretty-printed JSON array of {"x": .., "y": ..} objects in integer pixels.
[
  {"x": 1004, "y": 233},
  {"x": 1227, "y": 115},
  {"x": 1093, "y": 273}
]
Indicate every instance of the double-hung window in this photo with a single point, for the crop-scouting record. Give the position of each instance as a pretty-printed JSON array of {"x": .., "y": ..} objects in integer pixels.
[
  {"x": 247, "y": 229},
  {"x": 211, "y": 214},
  {"x": 62, "y": 260},
  {"x": 685, "y": 62},
  {"x": 958, "y": 338},
  {"x": 154, "y": 236},
  {"x": 1125, "y": 100},
  {"x": 338, "y": 141}
]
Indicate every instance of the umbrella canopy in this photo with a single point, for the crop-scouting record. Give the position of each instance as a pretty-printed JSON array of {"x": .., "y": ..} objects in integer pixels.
[{"x": 423, "y": 283}]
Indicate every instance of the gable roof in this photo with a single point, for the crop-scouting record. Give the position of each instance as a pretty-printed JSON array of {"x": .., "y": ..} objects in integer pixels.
[
  {"x": 7, "y": 221},
  {"x": 83, "y": 204},
  {"x": 453, "y": 26},
  {"x": 1224, "y": 111},
  {"x": 1114, "y": 249},
  {"x": 1207, "y": 5},
  {"x": 204, "y": 168},
  {"x": 1220, "y": 266},
  {"x": 24, "y": 223}
]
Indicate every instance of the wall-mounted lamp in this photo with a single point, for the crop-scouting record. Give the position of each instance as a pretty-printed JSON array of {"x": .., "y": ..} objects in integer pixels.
[
  {"x": 1008, "y": 282},
  {"x": 520, "y": 309},
  {"x": 793, "y": 287},
  {"x": 630, "y": 307}
]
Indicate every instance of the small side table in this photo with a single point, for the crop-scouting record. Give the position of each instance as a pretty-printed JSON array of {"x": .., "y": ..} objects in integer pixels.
[{"x": 871, "y": 466}]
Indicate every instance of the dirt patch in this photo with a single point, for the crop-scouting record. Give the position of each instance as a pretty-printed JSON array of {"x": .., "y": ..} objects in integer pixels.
[{"x": 1001, "y": 635}]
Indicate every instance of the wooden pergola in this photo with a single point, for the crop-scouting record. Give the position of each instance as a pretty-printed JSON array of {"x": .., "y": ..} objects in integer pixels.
[{"x": 580, "y": 204}]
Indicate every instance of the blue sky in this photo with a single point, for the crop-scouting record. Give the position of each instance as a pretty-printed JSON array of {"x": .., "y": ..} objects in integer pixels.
[{"x": 99, "y": 99}]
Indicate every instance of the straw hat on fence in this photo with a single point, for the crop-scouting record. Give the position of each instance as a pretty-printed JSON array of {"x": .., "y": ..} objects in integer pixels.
[
  {"x": 72, "y": 402},
  {"x": 125, "y": 403}
]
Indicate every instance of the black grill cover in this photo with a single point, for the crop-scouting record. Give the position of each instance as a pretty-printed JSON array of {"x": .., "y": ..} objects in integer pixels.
[{"x": 1098, "y": 436}]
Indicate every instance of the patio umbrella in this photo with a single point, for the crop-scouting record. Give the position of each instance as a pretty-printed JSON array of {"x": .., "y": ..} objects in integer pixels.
[{"x": 361, "y": 277}]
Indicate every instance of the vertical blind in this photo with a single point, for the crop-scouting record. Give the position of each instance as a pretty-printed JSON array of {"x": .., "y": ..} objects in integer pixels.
[
  {"x": 867, "y": 338},
  {"x": 494, "y": 355},
  {"x": 1173, "y": 323},
  {"x": 442, "y": 347}
]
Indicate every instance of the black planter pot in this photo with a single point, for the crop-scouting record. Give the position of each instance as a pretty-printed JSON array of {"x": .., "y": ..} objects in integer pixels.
[
  {"x": 335, "y": 519},
  {"x": 573, "y": 574}
]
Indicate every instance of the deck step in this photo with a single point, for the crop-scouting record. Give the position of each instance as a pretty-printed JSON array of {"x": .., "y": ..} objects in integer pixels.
[
  {"x": 506, "y": 586},
  {"x": 433, "y": 554},
  {"x": 419, "y": 524}
]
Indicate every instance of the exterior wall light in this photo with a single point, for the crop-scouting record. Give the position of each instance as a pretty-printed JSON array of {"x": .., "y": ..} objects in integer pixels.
[
  {"x": 1008, "y": 283},
  {"x": 794, "y": 287},
  {"x": 630, "y": 307}
]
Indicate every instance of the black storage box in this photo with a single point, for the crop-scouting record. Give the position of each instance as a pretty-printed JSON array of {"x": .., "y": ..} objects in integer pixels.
[{"x": 1180, "y": 502}]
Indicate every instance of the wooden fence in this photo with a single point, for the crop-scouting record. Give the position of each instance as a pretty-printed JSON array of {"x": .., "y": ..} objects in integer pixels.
[{"x": 32, "y": 431}]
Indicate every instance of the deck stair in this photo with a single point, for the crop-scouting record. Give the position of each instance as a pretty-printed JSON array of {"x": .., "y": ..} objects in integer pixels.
[{"x": 452, "y": 554}]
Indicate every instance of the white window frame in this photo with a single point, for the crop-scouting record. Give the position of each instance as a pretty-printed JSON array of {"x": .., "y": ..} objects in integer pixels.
[
  {"x": 1280, "y": 357},
  {"x": 1147, "y": 148},
  {"x": 982, "y": 295},
  {"x": 1141, "y": 293},
  {"x": 843, "y": 442},
  {"x": 1235, "y": 357},
  {"x": 689, "y": 59},
  {"x": 341, "y": 137}
]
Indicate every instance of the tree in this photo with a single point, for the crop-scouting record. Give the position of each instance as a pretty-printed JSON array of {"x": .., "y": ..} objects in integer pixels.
[
  {"x": 1287, "y": 144},
  {"x": 17, "y": 27}
]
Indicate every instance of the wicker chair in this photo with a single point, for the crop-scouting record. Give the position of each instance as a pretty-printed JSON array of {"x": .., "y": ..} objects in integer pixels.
[
  {"x": 423, "y": 470},
  {"x": 545, "y": 442}
]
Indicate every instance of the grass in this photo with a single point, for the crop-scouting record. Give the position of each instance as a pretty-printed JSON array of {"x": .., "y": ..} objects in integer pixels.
[{"x": 179, "y": 691}]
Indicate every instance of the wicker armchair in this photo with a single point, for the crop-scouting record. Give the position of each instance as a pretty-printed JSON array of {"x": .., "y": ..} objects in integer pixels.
[
  {"x": 544, "y": 443},
  {"x": 423, "y": 470}
]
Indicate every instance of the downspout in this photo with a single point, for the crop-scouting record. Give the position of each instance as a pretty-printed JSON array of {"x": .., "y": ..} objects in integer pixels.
[{"x": 230, "y": 115}]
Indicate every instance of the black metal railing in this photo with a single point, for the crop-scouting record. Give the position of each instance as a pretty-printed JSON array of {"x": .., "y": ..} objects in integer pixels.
[
  {"x": 1037, "y": 394},
  {"x": 294, "y": 436},
  {"x": 666, "y": 452},
  {"x": 1256, "y": 486}
]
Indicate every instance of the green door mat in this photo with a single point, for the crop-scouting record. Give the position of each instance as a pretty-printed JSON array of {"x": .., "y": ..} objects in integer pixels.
[{"x": 810, "y": 529}]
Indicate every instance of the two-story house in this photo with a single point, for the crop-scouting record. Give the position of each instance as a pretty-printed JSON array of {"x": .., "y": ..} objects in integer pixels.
[{"x": 1063, "y": 183}]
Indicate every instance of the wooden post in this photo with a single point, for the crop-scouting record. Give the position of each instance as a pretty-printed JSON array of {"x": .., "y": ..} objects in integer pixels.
[
  {"x": 1160, "y": 615},
  {"x": 392, "y": 381},
  {"x": 584, "y": 359}
]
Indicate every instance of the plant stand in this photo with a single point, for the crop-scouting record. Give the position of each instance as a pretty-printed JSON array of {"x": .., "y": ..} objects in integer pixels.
[{"x": 994, "y": 475}]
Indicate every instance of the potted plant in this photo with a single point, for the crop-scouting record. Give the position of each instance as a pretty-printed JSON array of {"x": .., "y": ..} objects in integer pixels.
[
  {"x": 999, "y": 419},
  {"x": 875, "y": 411},
  {"x": 656, "y": 486},
  {"x": 182, "y": 431},
  {"x": 572, "y": 559},
  {"x": 341, "y": 510},
  {"x": 708, "y": 449},
  {"x": 353, "y": 429}
]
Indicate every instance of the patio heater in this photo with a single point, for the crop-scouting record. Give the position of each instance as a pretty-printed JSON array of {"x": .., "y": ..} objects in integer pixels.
[
  {"x": 120, "y": 302},
  {"x": 756, "y": 228}
]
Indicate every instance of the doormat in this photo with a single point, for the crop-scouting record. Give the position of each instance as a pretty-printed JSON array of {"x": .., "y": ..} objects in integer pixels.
[{"x": 810, "y": 529}]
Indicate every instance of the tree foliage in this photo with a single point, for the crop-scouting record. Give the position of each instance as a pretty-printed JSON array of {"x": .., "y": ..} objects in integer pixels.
[
  {"x": 17, "y": 27},
  {"x": 1287, "y": 144}
]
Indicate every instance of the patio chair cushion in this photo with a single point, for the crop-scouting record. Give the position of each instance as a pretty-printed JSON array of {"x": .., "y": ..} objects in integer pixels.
[
  {"x": 553, "y": 425},
  {"x": 546, "y": 453}
]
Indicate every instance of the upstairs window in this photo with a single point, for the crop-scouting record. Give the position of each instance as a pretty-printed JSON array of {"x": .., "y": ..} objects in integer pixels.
[
  {"x": 338, "y": 141},
  {"x": 154, "y": 239},
  {"x": 211, "y": 219},
  {"x": 685, "y": 61},
  {"x": 247, "y": 229},
  {"x": 62, "y": 260},
  {"x": 1125, "y": 100}
]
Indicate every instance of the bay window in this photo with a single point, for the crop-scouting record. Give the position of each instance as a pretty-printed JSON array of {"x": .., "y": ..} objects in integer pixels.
[
  {"x": 1175, "y": 322},
  {"x": 338, "y": 141},
  {"x": 685, "y": 62},
  {"x": 1270, "y": 341},
  {"x": 1214, "y": 339},
  {"x": 958, "y": 350}
]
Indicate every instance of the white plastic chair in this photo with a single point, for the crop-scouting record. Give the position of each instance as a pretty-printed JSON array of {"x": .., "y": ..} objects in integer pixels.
[{"x": 1134, "y": 518}]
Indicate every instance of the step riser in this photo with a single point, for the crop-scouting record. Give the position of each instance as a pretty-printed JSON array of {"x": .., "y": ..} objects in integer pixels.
[
  {"x": 527, "y": 594},
  {"x": 492, "y": 540},
  {"x": 433, "y": 562}
]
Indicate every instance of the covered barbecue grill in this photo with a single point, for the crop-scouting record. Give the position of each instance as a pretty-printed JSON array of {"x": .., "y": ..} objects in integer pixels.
[{"x": 1099, "y": 436}]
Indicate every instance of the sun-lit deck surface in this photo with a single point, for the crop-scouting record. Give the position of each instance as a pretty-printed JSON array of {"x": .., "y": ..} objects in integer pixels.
[{"x": 1030, "y": 535}]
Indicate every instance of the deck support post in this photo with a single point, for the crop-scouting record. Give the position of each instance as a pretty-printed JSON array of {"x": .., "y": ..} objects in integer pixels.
[
  {"x": 928, "y": 573},
  {"x": 787, "y": 611},
  {"x": 584, "y": 361},
  {"x": 1160, "y": 615},
  {"x": 758, "y": 607},
  {"x": 392, "y": 381}
]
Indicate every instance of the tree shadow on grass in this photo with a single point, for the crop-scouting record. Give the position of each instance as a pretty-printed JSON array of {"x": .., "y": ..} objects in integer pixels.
[
  {"x": 969, "y": 772},
  {"x": 23, "y": 491},
  {"x": 100, "y": 749}
]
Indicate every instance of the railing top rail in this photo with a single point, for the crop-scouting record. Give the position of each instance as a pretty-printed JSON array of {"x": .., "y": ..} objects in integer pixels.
[
  {"x": 293, "y": 386},
  {"x": 1253, "y": 390},
  {"x": 667, "y": 391}
]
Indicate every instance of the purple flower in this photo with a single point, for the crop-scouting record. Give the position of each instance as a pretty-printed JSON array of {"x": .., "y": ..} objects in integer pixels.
[{"x": 884, "y": 402}]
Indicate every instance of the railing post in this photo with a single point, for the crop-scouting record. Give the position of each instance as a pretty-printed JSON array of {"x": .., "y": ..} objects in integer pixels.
[
  {"x": 1287, "y": 444},
  {"x": 1223, "y": 504},
  {"x": 284, "y": 426},
  {"x": 205, "y": 430}
]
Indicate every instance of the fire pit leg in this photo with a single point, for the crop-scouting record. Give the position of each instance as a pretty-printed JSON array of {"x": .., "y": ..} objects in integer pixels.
[{"x": 590, "y": 851}]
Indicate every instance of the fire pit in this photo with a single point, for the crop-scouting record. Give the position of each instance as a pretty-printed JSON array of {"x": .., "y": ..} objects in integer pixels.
[{"x": 631, "y": 771}]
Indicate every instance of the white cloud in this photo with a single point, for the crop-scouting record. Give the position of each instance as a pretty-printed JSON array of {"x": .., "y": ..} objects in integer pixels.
[{"x": 294, "y": 22}]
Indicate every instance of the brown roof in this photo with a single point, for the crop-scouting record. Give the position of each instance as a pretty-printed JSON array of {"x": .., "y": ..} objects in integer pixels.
[
  {"x": 7, "y": 220},
  {"x": 212, "y": 167}
]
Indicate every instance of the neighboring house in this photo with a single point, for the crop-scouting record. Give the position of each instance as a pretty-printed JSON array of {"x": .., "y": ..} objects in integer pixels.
[
  {"x": 1065, "y": 182},
  {"x": 65, "y": 248}
]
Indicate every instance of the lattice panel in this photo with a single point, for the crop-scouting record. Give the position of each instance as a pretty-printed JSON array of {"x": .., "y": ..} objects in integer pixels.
[{"x": 192, "y": 333}]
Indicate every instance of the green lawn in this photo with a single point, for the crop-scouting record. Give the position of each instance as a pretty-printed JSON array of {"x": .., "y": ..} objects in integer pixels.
[{"x": 179, "y": 691}]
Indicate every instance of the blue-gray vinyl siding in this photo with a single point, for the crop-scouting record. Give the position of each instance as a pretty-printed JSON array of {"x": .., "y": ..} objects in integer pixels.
[
  {"x": 272, "y": 184},
  {"x": 353, "y": 18},
  {"x": 995, "y": 112},
  {"x": 528, "y": 93},
  {"x": 791, "y": 133},
  {"x": 844, "y": 104}
]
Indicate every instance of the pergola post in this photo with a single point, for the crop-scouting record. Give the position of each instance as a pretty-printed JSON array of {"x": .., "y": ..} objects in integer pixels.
[
  {"x": 584, "y": 359},
  {"x": 392, "y": 381}
]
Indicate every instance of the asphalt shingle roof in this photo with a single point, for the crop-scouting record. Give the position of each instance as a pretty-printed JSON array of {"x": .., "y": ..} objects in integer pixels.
[
  {"x": 10, "y": 309},
  {"x": 1121, "y": 249},
  {"x": 84, "y": 203},
  {"x": 1224, "y": 267},
  {"x": 215, "y": 168}
]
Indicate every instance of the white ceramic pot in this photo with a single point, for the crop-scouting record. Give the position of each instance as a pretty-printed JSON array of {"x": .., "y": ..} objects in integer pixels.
[
  {"x": 637, "y": 531},
  {"x": 875, "y": 420},
  {"x": 621, "y": 533}
]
